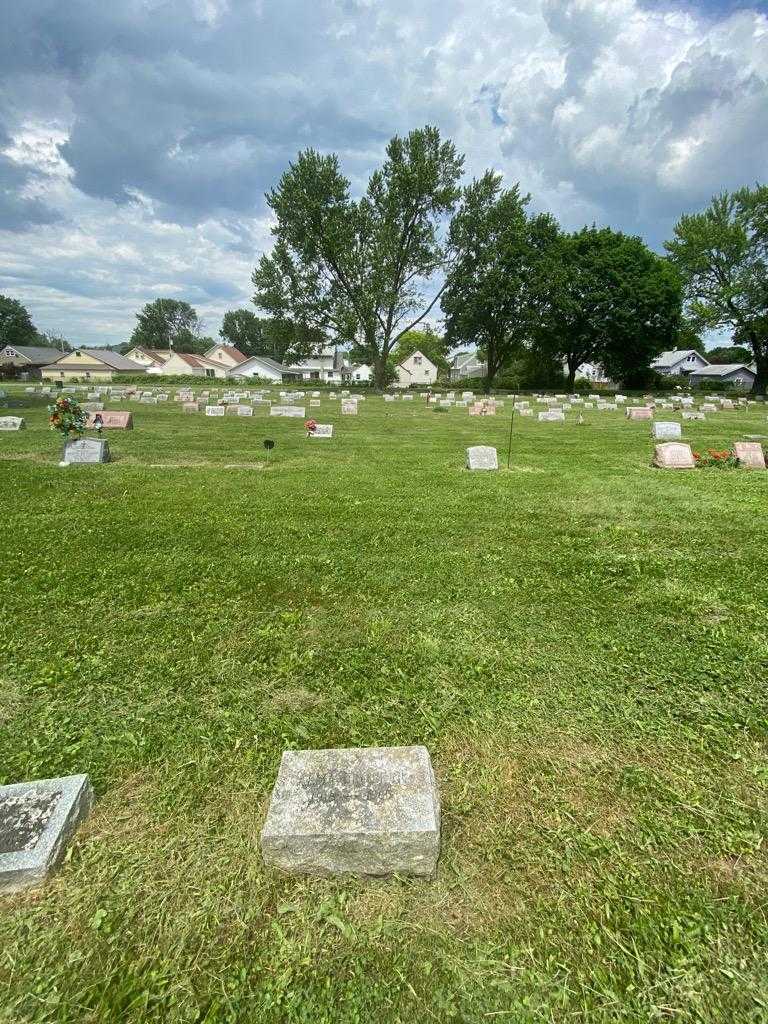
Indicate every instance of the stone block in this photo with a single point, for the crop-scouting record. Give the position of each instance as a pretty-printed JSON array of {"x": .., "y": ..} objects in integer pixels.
[
  {"x": 369, "y": 811},
  {"x": 37, "y": 821}
]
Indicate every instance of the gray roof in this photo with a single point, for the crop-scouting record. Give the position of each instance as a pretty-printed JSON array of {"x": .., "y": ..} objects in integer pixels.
[
  {"x": 721, "y": 370},
  {"x": 675, "y": 356},
  {"x": 264, "y": 360},
  {"x": 112, "y": 359},
  {"x": 36, "y": 354}
]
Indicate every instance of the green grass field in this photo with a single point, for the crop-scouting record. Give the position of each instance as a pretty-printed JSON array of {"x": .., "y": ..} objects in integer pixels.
[{"x": 580, "y": 641}]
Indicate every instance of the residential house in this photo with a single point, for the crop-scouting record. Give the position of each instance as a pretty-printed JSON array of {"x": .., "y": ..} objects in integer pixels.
[
  {"x": 181, "y": 364},
  {"x": 225, "y": 356},
  {"x": 679, "y": 363},
  {"x": 327, "y": 367},
  {"x": 28, "y": 359},
  {"x": 258, "y": 366},
  {"x": 737, "y": 374},
  {"x": 152, "y": 359},
  {"x": 467, "y": 365},
  {"x": 415, "y": 371},
  {"x": 362, "y": 374},
  {"x": 97, "y": 364}
]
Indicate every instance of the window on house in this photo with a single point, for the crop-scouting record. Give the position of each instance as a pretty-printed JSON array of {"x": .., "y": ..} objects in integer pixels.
[
  {"x": 209, "y": 373},
  {"x": 417, "y": 360}
]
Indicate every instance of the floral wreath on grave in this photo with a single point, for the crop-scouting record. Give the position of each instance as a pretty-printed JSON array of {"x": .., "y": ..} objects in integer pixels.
[
  {"x": 311, "y": 426},
  {"x": 67, "y": 417},
  {"x": 719, "y": 458}
]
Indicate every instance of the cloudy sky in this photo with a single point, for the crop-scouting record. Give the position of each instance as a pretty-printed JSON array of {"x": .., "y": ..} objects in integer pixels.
[{"x": 137, "y": 137}]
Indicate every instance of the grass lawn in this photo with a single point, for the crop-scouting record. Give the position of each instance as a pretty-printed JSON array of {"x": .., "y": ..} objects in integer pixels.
[{"x": 580, "y": 641}]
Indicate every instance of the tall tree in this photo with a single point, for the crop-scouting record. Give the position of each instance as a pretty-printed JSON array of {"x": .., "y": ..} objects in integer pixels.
[
  {"x": 169, "y": 324},
  {"x": 357, "y": 267},
  {"x": 607, "y": 299},
  {"x": 729, "y": 354},
  {"x": 16, "y": 327},
  {"x": 243, "y": 329},
  {"x": 265, "y": 336},
  {"x": 492, "y": 290},
  {"x": 722, "y": 255}
]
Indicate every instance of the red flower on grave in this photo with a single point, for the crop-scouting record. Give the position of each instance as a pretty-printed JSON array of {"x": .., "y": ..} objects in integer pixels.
[{"x": 311, "y": 426}]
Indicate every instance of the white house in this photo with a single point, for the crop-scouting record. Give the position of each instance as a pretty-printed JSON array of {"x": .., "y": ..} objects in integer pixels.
[
  {"x": 361, "y": 374},
  {"x": 152, "y": 359},
  {"x": 467, "y": 365},
  {"x": 180, "y": 364},
  {"x": 258, "y": 366},
  {"x": 415, "y": 371},
  {"x": 328, "y": 367},
  {"x": 737, "y": 374},
  {"x": 225, "y": 356},
  {"x": 680, "y": 362}
]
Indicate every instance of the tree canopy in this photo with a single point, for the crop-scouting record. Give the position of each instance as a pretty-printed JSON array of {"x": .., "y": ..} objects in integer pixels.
[
  {"x": 357, "y": 267},
  {"x": 729, "y": 354},
  {"x": 280, "y": 340},
  {"x": 607, "y": 299},
  {"x": 169, "y": 323},
  {"x": 722, "y": 256},
  {"x": 493, "y": 288},
  {"x": 16, "y": 327}
]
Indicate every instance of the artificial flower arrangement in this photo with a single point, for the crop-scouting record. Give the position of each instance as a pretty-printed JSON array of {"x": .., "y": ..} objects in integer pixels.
[
  {"x": 310, "y": 426},
  {"x": 719, "y": 458},
  {"x": 67, "y": 417}
]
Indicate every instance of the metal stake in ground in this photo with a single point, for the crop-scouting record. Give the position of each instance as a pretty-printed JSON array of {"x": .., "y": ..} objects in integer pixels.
[{"x": 511, "y": 425}]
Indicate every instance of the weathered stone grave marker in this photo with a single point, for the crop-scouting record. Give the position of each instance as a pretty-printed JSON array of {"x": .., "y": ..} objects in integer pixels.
[
  {"x": 750, "y": 454},
  {"x": 85, "y": 450},
  {"x": 370, "y": 811},
  {"x": 673, "y": 455},
  {"x": 111, "y": 420},
  {"x": 322, "y": 430},
  {"x": 349, "y": 407},
  {"x": 482, "y": 457},
  {"x": 12, "y": 423},
  {"x": 666, "y": 431},
  {"x": 287, "y": 410},
  {"x": 640, "y": 412},
  {"x": 37, "y": 821},
  {"x": 215, "y": 410}
]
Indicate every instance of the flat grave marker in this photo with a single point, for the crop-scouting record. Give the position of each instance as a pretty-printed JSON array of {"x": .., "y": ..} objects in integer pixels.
[
  {"x": 371, "y": 811},
  {"x": 37, "y": 821},
  {"x": 287, "y": 410},
  {"x": 322, "y": 430},
  {"x": 12, "y": 423}
]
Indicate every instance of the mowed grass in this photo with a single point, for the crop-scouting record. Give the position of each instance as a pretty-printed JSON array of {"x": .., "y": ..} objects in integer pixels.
[{"x": 580, "y": 641}]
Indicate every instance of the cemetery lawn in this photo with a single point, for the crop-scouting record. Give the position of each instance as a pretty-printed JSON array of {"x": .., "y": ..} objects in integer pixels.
[{"x": 580, "y": 641}]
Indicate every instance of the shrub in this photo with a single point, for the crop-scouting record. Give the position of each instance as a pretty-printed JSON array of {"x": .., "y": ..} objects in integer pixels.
[{"x": 716, "y": 458}]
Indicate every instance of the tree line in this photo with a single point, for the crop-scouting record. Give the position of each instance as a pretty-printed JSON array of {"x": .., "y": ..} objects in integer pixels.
[{"x": 531, "y": 297}]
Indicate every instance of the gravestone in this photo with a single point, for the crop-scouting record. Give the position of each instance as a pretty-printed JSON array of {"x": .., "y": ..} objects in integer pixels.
[
  {"x": 750, "y": 454},
  {"x": 314, "y": 403},
  {"x": 482, "y": 457},
  {"x": 112, "y": 420},
  {"x": 12, "y": 423},
  {"x": 640, "y": 412},
  {"x": 37, "y": 821},
  {"x": 407, "y": 398},
  {"x": 673, "y": 455},
  {"x": 666, "y": 431},
  {"x": 322, "y": 430},
  {"x": 372, "y": 811},
  {"x": 148, "y": 400},
  {"x": 85, "y": 450},
  {"x": 244, "y": 410},
  {"x": 349, "y": 407},
  {"x": 92, "y": 406},
  {"x": 552, "y": 416},
  {"x": 215, "y": 410},
  {"x": 708, "y": 407},
  {"x": 690, "y": 414},
  {"x": 287, "y": 410},
  {"x": 190, "y": 407}
]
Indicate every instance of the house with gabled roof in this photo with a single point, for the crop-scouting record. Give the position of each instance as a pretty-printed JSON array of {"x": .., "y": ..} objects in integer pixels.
[
  {"x": 181, "y": 364},
  {"x": 415, "y": 371},
  {"x": 258, "y": 366},
  {"x": 225, "y": 356},
  {"x": 153, "y": 359},
  {"x": 29, "y": 359},
  {"x": 679, "y": 362},
  {"x": 739, "y": 375},
  {"x": 99, "y": 364}
]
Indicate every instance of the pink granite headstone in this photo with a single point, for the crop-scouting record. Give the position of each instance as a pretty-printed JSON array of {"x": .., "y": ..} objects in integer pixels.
[
  {"x": 640, "y": 412},
  {"x": 111, "y": 420},
  {"x": 674, "y": 455},
  {"x": 750, "y": 454}
]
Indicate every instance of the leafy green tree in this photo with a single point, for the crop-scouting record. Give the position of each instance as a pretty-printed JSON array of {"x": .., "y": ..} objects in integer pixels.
[
  {"x": 243, "y": 329},
  {"x": 722, "y": 256},
  {"x": 52, "y": 339},
  {"x": 493, "y": 288},
  {"x": 607, "y": 299},
  {"x": 169, "y": 323},
  {"x": 689, "y": 337},
  {"x": 427, "y": 341},
  {"x": 729, "y": 354},
  {"x": 357, "y": 267},
  {"x": 16, "y": 327}
]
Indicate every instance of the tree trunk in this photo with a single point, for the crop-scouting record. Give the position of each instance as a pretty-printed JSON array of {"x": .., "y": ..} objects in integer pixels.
[
  {"x": 760, "y": 350},
  {"x": 380, "y": 374},
  {"x": 573, "y": 366}
]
